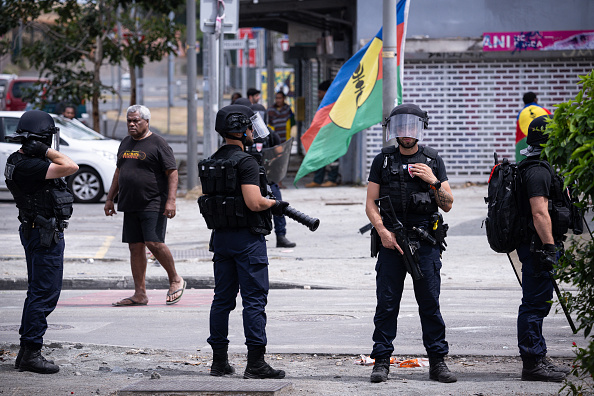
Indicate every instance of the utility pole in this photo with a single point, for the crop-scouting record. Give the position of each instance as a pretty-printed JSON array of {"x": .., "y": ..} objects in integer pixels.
[
  {"x": 389, "y": 62},
  {"x": 192, "y": 157}
]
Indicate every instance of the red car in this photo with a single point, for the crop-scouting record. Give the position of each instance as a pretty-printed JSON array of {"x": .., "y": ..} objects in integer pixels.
[{"x": 16, "y": 89}]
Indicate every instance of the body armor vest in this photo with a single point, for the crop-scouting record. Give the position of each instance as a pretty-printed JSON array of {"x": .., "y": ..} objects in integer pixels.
[
  {"x": 52, "y": 199},
  {"x": 412, "y": 198},
  {"x": 222, "y": 204}
]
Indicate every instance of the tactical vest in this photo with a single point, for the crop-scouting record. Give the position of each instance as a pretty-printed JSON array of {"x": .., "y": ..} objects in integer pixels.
[
  {"x": 222, "y": 204},
  {"x": 412, "y": 199},
  {"x": 52, "y": 199}
]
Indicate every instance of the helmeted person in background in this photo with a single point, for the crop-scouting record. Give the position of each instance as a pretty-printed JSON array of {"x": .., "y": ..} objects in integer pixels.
[
  {"x": 414, "y": 177},
  {"x": 538, "y": 254},
  {"x": 530, "y": 111},
  {"x": 34, "y": 177},
  {"x": 236, "y": 209},
  {"x": 280, "y": 222}
]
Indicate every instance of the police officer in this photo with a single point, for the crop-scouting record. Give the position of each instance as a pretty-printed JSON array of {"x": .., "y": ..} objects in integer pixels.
[
  {"x": 280, "y": 222},
  {"x": 538, "y": 256},
  {"x": 414, "y": 177},
  {"x": 33, "y": 176},
  {"x": 235, "y": 207}
]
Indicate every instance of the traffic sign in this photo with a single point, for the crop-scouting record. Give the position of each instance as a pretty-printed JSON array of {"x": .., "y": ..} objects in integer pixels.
[{"x": 239, "y": 44}]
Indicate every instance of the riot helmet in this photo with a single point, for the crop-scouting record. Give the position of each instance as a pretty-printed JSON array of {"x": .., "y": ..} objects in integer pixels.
[
  {"x": 406, "y": 120},
  {"x": 35, "y": 125},
  {"x": 243, "y": 102},
  {"x": 237, "y": 119}
]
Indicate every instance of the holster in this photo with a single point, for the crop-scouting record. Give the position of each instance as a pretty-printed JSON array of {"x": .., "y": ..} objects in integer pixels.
[
  {"x": 47, "y": 230},
  {"x": 376, "y": 242}
]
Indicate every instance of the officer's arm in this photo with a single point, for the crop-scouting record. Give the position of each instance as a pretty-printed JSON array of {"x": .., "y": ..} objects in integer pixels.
[
  {"x": 539, "y": 207},
  {"x": 373, "y": 213},
  {"x": 444, "y": 197},
  {"x": 254, "y": 199},
  {"x": 61, "y": 165}
]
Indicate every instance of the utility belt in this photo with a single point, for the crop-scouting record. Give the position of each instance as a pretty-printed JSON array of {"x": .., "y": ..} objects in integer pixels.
[
  {"x": 433, "y": 232},
  {"x": 49, "y": 229}
]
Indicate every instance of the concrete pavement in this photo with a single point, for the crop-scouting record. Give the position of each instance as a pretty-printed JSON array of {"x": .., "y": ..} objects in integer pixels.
[{"x": 320, "y": 311}]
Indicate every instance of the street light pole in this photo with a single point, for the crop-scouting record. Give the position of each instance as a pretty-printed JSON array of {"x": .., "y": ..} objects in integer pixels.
[
  {"x": 192, "y": 157},
  {"x": 389, "y": 60}
]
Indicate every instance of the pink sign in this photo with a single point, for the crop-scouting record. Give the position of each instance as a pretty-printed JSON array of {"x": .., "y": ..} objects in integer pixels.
[{"x": 539, "y": 41}]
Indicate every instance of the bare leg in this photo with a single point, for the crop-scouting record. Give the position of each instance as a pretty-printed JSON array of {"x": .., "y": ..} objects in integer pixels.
[
  {"x": 138, "y": 265},
  {"x": 165, "y": 258}
]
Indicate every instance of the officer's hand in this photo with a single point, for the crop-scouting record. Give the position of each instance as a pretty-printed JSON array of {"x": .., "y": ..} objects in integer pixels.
[
  {"x": 278, "y": 208},
  {"x": 548, "y": 257},
  {"x": 389, "y": 240},
  {"x": 109, "y": 208},
  {"x": 35, "y": 148},
  {"x": 423, "y": 171}
]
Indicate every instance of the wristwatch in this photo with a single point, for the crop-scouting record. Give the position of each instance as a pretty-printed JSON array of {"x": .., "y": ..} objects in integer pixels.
[{"x": 436, "y": 186}]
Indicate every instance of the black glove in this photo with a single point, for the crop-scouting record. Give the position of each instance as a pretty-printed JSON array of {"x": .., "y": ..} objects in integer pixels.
[
  {"x": 35, "y": 148},
  {"x": 278, "y": 208},
  {"x": 547, "y": 257}
]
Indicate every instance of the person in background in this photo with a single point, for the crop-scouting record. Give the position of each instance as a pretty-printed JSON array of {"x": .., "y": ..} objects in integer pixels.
[
  {"x": 235, "y": 96},
  {"x": 530, "y": 111},
  {"x": 280, "y": 116},
  {"x": 330, "y": 170},
  {"x": 69, "y": 112},
  {"x": 253, "y": 95}
]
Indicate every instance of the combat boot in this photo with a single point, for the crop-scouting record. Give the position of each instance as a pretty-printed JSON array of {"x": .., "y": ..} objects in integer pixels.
[
  {"x": 257, "y": 368},
  {"x": 381, "y": 369},
  {"x": 282, "y": 241},
  {"x": 17, "y": 362},
  {"x": 535, "y": 369},
  {"x": 220, "y": 363},
  {"x": 438, "y": 371},
  {"x": 552, "y": 366},
  {"x": 32, "y": 360}
]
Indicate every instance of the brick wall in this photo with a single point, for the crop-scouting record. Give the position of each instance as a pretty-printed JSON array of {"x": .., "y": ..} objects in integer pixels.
[{"x": 473, "y": 106}]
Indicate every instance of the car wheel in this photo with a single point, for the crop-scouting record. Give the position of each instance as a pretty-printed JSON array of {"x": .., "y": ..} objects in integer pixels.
[{"x": 86, "y": 185}]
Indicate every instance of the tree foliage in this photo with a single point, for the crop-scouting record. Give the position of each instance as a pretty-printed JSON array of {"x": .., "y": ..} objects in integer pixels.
[
  {"x": 78, "y": 37},
  {"x": 570, "y": 148}
]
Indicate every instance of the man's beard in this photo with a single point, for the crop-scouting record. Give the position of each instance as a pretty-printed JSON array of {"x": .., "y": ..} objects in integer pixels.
[{"x": 406, "y": 145}]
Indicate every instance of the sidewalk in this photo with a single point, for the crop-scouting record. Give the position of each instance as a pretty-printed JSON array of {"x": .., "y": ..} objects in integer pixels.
[{"x": 320, "y": 310}]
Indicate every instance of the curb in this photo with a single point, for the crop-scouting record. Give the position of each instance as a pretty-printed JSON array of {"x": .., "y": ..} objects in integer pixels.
[{"x": 127, "y": 282}]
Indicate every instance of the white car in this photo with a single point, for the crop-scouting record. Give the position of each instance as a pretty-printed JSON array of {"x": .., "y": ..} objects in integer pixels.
[{"x": 94, "y": 153}]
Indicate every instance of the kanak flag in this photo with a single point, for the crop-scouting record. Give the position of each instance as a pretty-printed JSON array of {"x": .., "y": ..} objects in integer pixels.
[{"x": 353, "y": 101}]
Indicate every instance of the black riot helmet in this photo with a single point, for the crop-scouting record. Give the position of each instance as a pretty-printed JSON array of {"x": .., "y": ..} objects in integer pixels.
[
  {"x": 406, "y": 120},
  {"x": 237, "y": 119},
  {"x": 36, "y": 125}
]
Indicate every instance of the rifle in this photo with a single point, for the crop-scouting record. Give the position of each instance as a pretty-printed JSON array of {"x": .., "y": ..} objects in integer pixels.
[{"x": 411, "y": 261}]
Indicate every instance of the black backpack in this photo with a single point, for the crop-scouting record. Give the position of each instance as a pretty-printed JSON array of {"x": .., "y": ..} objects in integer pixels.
[
  {"x": 505, "y": 225},
  {"x": 507, "y": 221}
]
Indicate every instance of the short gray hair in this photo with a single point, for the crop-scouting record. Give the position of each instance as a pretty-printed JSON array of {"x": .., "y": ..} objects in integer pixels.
[{"x": 144, "y": 112}]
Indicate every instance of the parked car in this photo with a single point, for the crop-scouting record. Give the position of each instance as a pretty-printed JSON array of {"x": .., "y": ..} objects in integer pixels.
[
  {"x": 4, "y": 80},
  {"x": 94, "y": 153},
  {"x": 18, "y": 88}
]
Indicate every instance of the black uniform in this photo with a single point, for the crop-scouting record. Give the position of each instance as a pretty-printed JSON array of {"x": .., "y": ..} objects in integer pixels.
[
  {"x": 240, "y": 257},
  {"x": 44, "y": 206},
  {"x": 414, "y": 204}
]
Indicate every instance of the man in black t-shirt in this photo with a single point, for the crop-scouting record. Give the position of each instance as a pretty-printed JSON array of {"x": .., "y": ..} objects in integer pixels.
[
  {"x": 145, "y": 182},
  {"x": 538, "y": 255},
  {"x": 415, "y": 180},
  {"x": 33, "y": 176}
]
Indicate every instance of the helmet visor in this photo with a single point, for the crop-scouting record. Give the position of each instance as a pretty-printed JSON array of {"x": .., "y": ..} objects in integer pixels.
[
  {"x": 260, "y": 130},
  {"x": 405, "y": 125}
]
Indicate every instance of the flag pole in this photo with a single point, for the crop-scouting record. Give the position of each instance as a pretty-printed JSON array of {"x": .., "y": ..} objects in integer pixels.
[{"x": 389, "y": 61}]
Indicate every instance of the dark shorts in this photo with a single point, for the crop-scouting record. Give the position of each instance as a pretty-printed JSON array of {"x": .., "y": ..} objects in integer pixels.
[{"x": 142, "y": 227}]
